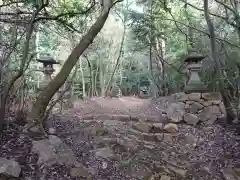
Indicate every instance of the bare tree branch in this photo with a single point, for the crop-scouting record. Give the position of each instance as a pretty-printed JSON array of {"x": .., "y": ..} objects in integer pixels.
[
  {"x": 67, "y": 14},
  {"x": 226, "y": 6},
  {"x": 202, "y": 31},
  {"x": 68, "y": 25},
  {"x": 216, "y": 15},
  {"x": 15, "y": 13},
  {"x": 10, "y": 3},
  {"x": 17, "y": 75},
  {"x": 44, "y": 16}
]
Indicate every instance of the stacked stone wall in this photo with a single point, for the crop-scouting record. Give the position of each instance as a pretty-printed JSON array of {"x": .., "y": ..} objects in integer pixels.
[{"x": 194, "y": 108}]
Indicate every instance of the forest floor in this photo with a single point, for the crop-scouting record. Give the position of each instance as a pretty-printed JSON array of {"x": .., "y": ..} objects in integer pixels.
[{"x": 114, "y": 139}]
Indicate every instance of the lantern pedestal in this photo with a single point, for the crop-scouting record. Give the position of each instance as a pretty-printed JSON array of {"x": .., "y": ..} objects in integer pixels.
[
  {"x": 47, "y": 69},
  {"x": 194, "y": 83}
]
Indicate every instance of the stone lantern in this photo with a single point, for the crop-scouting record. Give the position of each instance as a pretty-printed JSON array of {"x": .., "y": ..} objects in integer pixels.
[
  {"x": 194, "y": 83},
  {"x": 48, "y": 69}
]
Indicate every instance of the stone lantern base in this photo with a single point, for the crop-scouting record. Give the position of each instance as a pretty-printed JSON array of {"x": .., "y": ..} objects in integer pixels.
[
  {"x": 197, "y": 87},
  {"x": 194, "y": 84}
]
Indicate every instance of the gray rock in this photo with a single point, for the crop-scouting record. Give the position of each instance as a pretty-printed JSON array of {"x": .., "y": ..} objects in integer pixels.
[
  {"x": 128, "y": 143},
  {"x": 190, "y": 102},
  {"x": 210, "y": 114},
  {"x": 80, "y": 171},
  {"x": 9, "y": 167},
  {"x": 157, "y": 127},
  {"x": 191, "y": 119},
  {"x": 164, "y": 177},
  {"x": 237, "y": 171},
  {"x": 179, "y": 171},
  {"x": 195, "y": 107},
  {"x": 35, "y": 129},
  {"x": 194, "y": 96},
  {"x": 223, "y": 109},
  {"x": 165, "y": 137},
  {"x": 153, "y": 118},
  {"x": 211, "y": 121},
  {"x": 203, "y": 116},
  {"x": 149, "y": 146},
  {"x": 229, "y": 174},
  {"x": 190, "y": 139},
  {"x": 171, "y": 128},
  {"x": 206, "y": 103},
  {"x": 216, "y": 102},
  {"x": 52, "y": 131},
  {"x": 113, "y": 125},
  {"x": 139, "y": 172},
  {"x": 214, "y": 109},
  {"x": 52, "y": 151},
  {"x": 211, "y": 96},
  {"x": 148, "y": 137},
  {"x": 108, "y": 123},
  {"x": 175, "y": 112},
  {"x": 180, "y": 96},
  {"x": 121, "y": 117},
  {"x": 103, "y": 116},
  {"x": 105, "y": 153},
  {"x": 187, "y": 107},
  {"x": 96, "y": 129},
  {"x": 143, "y": 127}
]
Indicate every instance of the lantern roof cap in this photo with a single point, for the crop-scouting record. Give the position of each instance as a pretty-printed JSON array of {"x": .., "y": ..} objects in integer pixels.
[
  {"x": 47, "y": 60},
  {"x": 193, "y": 56}
]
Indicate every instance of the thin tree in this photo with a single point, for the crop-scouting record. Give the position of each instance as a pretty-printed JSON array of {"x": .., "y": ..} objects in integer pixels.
[
  {"x": 46, "y": 95},
  {"x": 220, "y": 81},
  {"x": 123, "y": 19}
]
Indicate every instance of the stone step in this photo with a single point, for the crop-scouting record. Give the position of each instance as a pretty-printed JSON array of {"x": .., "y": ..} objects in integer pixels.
[{"x": 122, "y": 117}]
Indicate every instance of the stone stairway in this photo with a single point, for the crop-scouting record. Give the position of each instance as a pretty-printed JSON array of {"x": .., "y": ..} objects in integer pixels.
[
  {"x": 128, "y": 144},
  {"x": 149, "y": 150}
]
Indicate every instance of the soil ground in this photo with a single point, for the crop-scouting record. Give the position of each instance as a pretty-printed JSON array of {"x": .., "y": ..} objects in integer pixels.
[{"x": 137, "y": 155}]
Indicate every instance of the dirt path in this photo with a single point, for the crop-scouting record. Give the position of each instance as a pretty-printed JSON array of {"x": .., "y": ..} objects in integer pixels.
[
  {"x": 131, "y": 106},
  {"x": 141, "y": 154},
  {"x": 120, "y": 149},
  {"x": 123, "y": 105}
]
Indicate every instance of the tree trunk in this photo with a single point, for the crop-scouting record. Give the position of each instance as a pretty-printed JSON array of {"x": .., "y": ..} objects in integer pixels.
[
  {"x": 150, "y": 64},
  {"x": 155, "y": 88},
  {"x": 235, "y": 9},
  {"x": 161, "y": 66},
  {"x": 117, "y": 62},
  {"x": 96, "y": 79},
  {"x": 81, "y": 68},
  {"x": 230, "y": 113},
  {"x": 7, "y": 87},
  {"x": 189, "y": 38},
  {"x": 61, "y": 95},
  {"x": 45, "y": 96},
  {"x": 101, "y": 76},
  {"x": 93, "y": 80},
  {"x": 90, "y": 78},
  {"x": 83, "y": 81}
]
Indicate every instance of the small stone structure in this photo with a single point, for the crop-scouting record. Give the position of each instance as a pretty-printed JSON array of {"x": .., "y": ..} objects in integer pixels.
[
  {"x": 196, "y": 105},
  {"x": 193, "y": 82},
  {"x": 194, "y": 108},
  {"x": 47, "y": 69}
]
